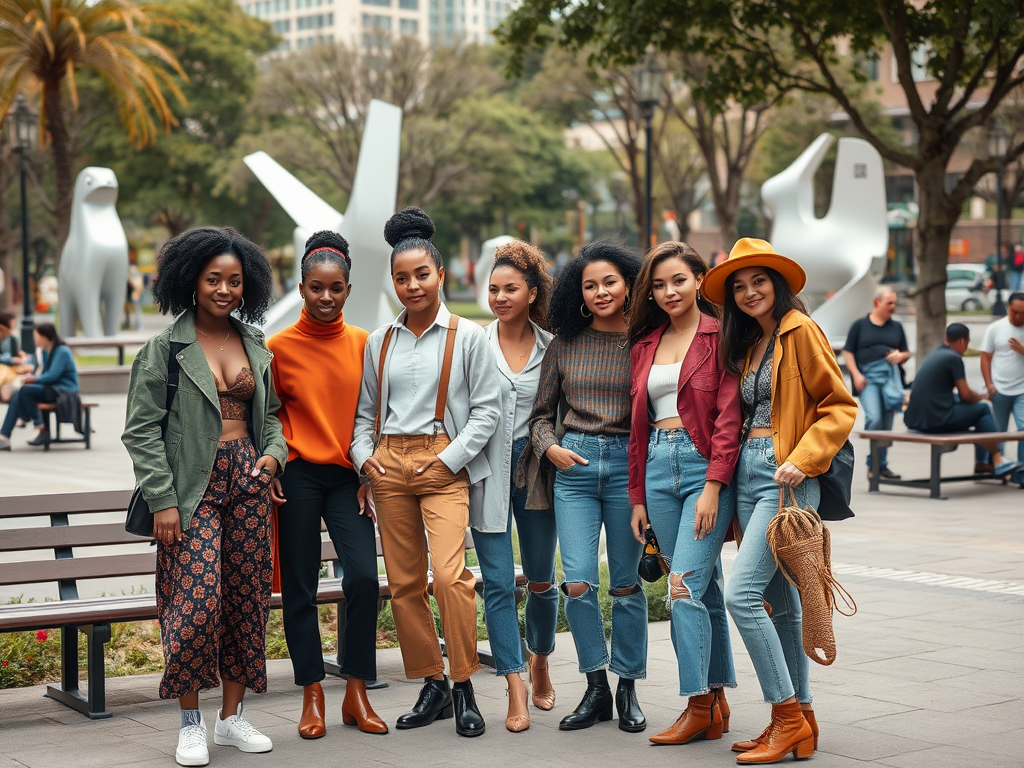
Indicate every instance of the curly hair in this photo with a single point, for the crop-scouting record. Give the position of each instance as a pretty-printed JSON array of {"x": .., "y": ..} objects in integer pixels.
[
  {"x": 645, "y": 314},
  {"x": 565, "y": 319},
  {"x": 410, "y": 230},
  {"x": 740, "y": 331},
  {"x": 325, "y": 247},
  {"x": 529, "y": 260},
  {"x": 183, "y": 258}
]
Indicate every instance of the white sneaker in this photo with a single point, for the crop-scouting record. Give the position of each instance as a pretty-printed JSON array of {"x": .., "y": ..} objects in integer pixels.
[
  {"x": 192, "y": 748},
  {"x": 236, "y": 731}
]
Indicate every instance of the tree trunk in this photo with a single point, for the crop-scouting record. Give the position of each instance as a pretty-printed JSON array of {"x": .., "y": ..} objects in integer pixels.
[
  {"x": 935, "y": 224},
  {"x": 60, "y": 146}
]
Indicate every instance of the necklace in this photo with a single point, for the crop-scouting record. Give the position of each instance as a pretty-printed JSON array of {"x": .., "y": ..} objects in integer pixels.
[{"x": 215, "y": 341}]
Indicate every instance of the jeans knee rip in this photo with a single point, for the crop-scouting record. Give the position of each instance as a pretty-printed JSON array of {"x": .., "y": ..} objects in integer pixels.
[
  {"x": 568, "y": 587},
  {"x": 618, "y": 593},
  {"x": 539, "y": 587}
]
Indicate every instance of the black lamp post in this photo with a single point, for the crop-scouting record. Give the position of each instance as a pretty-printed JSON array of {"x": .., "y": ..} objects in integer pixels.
[
  {"x": 648, "y": 96},
  {"x": 998, "y": 144},
  {"x": 22, "y": 127}
]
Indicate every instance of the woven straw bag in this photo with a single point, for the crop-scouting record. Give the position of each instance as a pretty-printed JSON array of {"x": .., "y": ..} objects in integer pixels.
[{"x": 802, "y": 547}]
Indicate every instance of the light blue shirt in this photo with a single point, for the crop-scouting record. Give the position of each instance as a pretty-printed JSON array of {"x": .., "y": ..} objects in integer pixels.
[{"x": 412, "y": 385}]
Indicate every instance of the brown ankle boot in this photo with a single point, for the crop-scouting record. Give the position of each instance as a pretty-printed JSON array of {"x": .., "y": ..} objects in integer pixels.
[
  {"x": 787, "y": 733},
  {"x": 813, "y": 722},
  {"x": 746, "y": 746},
  {"x": 701, "y": 718},
  {"x": 311, "y": 724},
  {"x": 543, "y": 693},
  {"x": 723, "y": 706},
  {"x": 356, "y": 709}
]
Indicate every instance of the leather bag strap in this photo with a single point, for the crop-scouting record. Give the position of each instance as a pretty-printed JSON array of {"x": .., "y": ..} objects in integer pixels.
[
  {"x": 446, "y": 373},
  {"x": 380, "y": 379}
]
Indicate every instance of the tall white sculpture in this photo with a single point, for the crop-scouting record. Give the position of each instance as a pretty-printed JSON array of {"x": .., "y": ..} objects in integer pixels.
[
  {"x": 844, "y": 251},
  {"x": 94, "y": 263},
  {"x": 373, "y": 198},
  {"x": 482, "y": 270}
]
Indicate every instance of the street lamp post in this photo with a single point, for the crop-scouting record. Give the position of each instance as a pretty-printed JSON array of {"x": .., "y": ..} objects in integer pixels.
[
  {"x": 21, "y": 128},
  {"x": 998, "y": 145},
  {"x": 648, "y": 96}
]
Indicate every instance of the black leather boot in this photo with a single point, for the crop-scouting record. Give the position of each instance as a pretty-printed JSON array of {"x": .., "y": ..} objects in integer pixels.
[
  {"x": 630, "y": 717},
  {"x": 434, "y": 703},
  {"x": 596, "y": 704},
  {"x": 468, "y": 720}
]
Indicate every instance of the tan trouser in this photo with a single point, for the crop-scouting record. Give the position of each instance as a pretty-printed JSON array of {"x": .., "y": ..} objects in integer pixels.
[{"x": 407, "y": 503}]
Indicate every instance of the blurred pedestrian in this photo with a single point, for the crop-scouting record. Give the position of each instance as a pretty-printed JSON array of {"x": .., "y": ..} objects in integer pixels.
[{"x": 1002, "y": 366}]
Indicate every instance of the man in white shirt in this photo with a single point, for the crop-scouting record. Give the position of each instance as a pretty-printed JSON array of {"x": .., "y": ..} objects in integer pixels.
[{"x": 1002, "y": 365}]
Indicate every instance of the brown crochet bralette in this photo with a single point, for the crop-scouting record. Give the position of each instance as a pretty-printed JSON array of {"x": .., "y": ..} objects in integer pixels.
[{"x": 234, "y": 401}]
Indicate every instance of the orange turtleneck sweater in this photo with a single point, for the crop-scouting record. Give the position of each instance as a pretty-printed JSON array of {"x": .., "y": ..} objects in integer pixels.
[{"x": 318, "y": 369}]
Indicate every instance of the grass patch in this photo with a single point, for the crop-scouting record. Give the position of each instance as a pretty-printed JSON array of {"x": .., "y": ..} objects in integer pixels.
[{"x": 84, "y": 361}]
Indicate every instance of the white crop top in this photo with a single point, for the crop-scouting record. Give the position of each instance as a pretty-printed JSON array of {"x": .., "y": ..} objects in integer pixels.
[{"x": 663, "y": 389}]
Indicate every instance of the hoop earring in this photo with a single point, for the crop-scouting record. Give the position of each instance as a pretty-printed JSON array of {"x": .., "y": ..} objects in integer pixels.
[
  {"x": 241, "y": 302},
  {"x": 584, "y": 311},
  {"x": 650, "y": 297},
  {"x": 194, "y": 302}
]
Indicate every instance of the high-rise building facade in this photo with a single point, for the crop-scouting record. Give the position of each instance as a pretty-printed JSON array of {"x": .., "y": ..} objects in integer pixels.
[{"x": 453, "y": 21}]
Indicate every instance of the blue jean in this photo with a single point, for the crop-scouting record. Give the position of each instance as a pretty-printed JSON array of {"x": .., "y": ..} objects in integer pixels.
[
  {"x": 537, "y": 542},
  {"x": 25, "y": 405},
  {"x": 775, "y": 644},
  {"x": 676, "y": 473},
  {"x": 1015, "y": 280},
  {"x": 1002, "y": 407},
  {"x": 876, "y": 416},
  {"x": 588, "y": 496}
]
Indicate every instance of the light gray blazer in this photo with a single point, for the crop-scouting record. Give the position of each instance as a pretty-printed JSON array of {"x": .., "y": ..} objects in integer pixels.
[
  {"x": 488, "y": 512},
  {"x": 472, "y": 410}
]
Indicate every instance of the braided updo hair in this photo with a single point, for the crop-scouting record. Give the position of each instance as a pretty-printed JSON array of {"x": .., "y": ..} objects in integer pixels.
[
  {"x": 411, "y": 230},
  {"x": 326, "y": 247},
  {"x": 529, "y": 260}
]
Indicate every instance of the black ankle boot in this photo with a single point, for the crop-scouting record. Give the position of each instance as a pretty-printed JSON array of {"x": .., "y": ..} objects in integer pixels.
[
  {"x": 596, "y": 704},
  {"x": 630, "y": 717},
  {"x": 434, "y": 703},
  {"x": 468, "y": 720}
]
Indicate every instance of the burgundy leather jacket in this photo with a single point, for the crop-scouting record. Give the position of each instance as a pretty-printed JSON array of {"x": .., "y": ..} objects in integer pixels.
[{"x": 708, "y": 403}]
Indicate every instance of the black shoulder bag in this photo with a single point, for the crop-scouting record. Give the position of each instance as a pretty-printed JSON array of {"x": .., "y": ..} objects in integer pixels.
[{"x": 139, "y": 520}]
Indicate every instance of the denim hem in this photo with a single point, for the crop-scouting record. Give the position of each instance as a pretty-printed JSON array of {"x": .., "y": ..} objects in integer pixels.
[
  {"x": 503, "y": 673},
  {"x": 594, "y": 668},
  {"x": 719, "y": 686},
  {"x": 320, "y": 679},
  {"x": 702, "y": 692},
  {"x": 533, "y": 651},
  {"x": 782, "y": 699},
  {"x": 642, "y": 675},
  {"x": 809, "y": 701}
]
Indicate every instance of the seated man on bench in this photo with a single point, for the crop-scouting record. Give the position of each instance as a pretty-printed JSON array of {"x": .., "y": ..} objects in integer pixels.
[{"x": 934, "y": 409}]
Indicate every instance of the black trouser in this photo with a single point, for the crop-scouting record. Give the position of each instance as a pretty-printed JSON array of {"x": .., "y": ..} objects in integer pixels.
[{"x": 327, "y": 491}]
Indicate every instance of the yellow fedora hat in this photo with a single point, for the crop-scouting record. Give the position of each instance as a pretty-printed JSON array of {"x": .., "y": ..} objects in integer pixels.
[{"x": 751, "y": 252}]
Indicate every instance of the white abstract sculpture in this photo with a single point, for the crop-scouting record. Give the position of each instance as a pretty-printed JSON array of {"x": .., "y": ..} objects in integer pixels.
[
  {"x": 844, "y": 251},
  {"x": 94, "y": 263},
  {"x": 374, "y": 193},
  {"x": 482, "y": 270}
]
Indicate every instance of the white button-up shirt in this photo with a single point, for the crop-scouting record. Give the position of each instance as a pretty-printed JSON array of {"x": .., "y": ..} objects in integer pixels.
[{"x": 412, "y": 385}]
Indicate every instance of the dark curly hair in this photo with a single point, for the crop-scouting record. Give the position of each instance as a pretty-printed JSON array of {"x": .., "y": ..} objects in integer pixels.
[
  {"x": 565, "y": 319},
  {"x": 740, "y": 331},
  {"x": 645, "y": 314},
  {"x": 529, "y": 260},
  {"x": 182, "y": 259},
  {"x": 410, "y": 230},
  {"x": 325, "y": 247}
]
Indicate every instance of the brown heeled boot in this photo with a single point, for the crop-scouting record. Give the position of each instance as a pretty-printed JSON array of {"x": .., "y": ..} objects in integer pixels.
[
  {"x": 813, "y": 722},
  {"x": 356, "y": 709},
  {"x": 542, "y": 693},
  {"x": 787, "y": 733},
  {"x": 723, "y": 707},
  {"x": 311, "y": 724},
  {"x": 746, "y": 746},
  {"x": 701, "y": 718}
]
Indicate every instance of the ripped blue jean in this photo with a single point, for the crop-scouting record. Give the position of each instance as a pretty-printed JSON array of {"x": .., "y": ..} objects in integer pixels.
[
  {"x": 775, "y": 644},
  {"x": 587, "y": 497},
  {"x": 676, "y": 473}
]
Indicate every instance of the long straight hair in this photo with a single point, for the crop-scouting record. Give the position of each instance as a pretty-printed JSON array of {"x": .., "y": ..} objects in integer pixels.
[
  {"x": 646, "y": 315},
  {"x": 740, "y": 331}
]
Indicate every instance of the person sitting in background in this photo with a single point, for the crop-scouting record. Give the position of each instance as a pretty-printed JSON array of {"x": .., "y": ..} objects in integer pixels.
[
  {"x": 933, "y": 408},
  {"x": 1002, "y": 366},
  {"x": 58, "y": 375},
  {"x": 10, "y": 356}
]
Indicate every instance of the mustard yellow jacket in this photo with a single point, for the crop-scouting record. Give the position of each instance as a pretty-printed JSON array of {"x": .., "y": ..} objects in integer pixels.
[{"x": 812, "y": 410}]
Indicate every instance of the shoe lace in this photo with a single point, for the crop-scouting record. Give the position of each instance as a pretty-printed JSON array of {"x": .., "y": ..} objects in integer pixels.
[
  {"x": 245, "y": 728},
  {"x": 193, "y": 736}
]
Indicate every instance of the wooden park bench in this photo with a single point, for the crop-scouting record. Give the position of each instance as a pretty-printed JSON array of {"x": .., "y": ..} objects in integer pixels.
[
  {"x": 48, "y": 409},
  {"x": 70, "y": 556},
  {"x": 119, "y": 343},
  {"x": 940, "y": 444}
]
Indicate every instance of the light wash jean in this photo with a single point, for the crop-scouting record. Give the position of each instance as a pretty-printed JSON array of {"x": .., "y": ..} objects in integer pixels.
[
  {"x": 775, "y": 644},
  {"x": 537, "y": 542},
  {"x": 876, "y": 416},
  {"x": 1003, "y": 406},
  {"x": 676, "y": 473},
  {"x": 588, "y": 496}
]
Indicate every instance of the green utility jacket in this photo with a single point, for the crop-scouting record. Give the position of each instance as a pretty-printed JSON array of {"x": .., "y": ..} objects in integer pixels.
[{"x": 174, "y": 470}]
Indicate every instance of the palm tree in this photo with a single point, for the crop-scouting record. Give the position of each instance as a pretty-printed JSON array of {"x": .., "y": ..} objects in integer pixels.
[{"x": 45, "y": 43}]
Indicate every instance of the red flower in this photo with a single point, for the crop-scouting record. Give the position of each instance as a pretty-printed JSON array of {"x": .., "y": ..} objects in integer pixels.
[
  {"x": 5, "y": 663},
  {"x": 42, "y": 635}
]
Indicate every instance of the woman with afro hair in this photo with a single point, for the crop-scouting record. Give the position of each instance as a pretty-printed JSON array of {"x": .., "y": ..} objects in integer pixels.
[
  {"x": 318, "y": 366},
  {"x": 587, "y": 365},
  {"x": 518, "y": 293},
  {"x": 206, "y": 443},
  {"x": 421, "y": 427}
]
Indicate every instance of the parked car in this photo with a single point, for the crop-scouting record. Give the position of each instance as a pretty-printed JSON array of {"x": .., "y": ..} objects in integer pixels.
[{"x": 966, "y": 286}]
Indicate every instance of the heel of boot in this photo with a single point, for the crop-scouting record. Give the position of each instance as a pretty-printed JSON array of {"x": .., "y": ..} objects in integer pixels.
[
  {"x": 804, "y": 749},
  {"x": 606, "y": 714},
  {"x": 447, "y": 712},
  {"x": 714, "y": 732},
  {"x": 725, "y": 725},
  {"x": 347, "y": 719}
]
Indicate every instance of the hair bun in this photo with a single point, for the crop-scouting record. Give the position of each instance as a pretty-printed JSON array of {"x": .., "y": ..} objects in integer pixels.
[{"x": 412, "y": 222}]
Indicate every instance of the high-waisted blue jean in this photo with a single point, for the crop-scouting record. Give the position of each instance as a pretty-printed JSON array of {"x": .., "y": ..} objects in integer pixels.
[
  {"x": 588, "y": 496},
  {"x": 676, "y": 473},
  {"x": 775, "y": 644},
  {"x": 537, "y": 543},
  {"x": 25, "y": 405}
]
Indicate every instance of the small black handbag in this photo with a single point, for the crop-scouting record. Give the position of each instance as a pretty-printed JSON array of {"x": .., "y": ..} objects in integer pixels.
[
  {"x": 836, "y": 485},
  {"x": 139, "y": 520},
  {"x": 652, "y": 564}
]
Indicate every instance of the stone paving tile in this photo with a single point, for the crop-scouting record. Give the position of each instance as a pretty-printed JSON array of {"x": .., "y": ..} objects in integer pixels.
[{"x": 948, "y": 757}]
